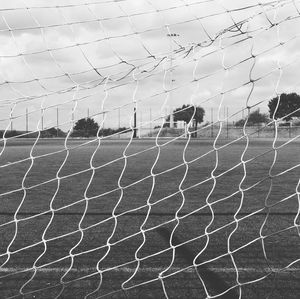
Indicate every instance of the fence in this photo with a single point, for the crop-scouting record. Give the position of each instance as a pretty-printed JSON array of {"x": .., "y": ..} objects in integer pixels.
[{"x": 229, "y": 132}]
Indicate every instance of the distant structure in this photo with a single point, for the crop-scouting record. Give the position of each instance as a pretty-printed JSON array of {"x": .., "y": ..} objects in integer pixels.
[{"x": 171, "y": 119}]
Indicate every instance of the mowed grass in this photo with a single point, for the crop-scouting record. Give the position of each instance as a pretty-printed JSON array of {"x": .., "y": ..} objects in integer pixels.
[{"x": 82, "y": 218}]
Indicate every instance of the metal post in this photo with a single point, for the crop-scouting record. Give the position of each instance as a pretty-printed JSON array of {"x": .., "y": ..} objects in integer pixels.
[
  {"x": 26, "y": 120},
  {"x": 212, "y": 123},
  {"x": 42, "y": 119},
  {"x": 11, "y": 122},
  {"x": 56, "y": 121},
  {"x": 119, "y": 121},
  {"x": 141, "y": 123},
  {"x": 171, "y": 116},
  {"x": 150, "y": 122},
  {"x": 134, "y": 122},
  {"x": 227, "y": 112}
]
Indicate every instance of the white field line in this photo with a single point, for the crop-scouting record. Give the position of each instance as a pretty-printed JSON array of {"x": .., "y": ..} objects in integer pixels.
[{"x": 149, "y": 269}]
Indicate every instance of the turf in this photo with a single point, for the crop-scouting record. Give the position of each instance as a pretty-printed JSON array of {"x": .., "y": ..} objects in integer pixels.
[{"x": 81, "y": 206}]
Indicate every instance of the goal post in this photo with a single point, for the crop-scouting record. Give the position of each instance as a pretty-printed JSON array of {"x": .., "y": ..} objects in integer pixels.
[{"x": 147, "y": 149}]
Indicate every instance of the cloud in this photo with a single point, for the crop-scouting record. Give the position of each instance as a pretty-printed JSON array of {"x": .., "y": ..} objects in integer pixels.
[{"x": 139, "y": 65}]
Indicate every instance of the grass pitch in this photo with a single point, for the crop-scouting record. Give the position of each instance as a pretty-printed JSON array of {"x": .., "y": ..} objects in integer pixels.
[{"x": 80, "y": 219}]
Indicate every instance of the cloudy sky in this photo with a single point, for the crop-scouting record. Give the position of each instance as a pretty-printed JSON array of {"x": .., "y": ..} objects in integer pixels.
[{"x": 80, "y": 57}]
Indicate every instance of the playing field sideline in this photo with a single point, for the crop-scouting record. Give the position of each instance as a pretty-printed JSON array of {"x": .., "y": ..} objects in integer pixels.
[{"x": 96, "y": 217}]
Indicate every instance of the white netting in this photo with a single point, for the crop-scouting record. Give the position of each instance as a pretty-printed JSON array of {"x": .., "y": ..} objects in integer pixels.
[{"x": 108, "y": 189}]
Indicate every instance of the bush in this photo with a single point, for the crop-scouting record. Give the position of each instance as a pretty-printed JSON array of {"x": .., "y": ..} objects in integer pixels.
[
  {"x": 52, "y": 132},
  {"x": 84, "y": 133},
  {"x": 10, "y": 133},
  {"x": 286, "y": 124},
  {"x": 296, "y": 123},
  {"x": 240, "y": 123},
  {"x": 255, "y": 118},
  {"x": 102, "y": 132}
]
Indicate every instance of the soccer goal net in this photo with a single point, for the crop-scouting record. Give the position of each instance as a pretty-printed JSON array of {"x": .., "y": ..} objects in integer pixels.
[{"x": 149, "y": 149}]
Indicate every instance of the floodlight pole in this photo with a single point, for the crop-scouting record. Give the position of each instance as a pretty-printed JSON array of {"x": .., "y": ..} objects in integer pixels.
[
  {"x": 26, "y": 120},
  {"x": 11, "y": 122},
  {"x": 227, "y": 124},
  {"x": 171, "y": 118},
  {"x": 42, "y": 120},
  {"x": 103, "y": 119},
  {"x": 56, "y": 121},
  {"x": 141, "y": 123},
  {"x": 134, "y": 121},
  {"x": 119, "y": 121},
  {"x": 212, "y": 122},
  {"x": 150, "y": 122}
]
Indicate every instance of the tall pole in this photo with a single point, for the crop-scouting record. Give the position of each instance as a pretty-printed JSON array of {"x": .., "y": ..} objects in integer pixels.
[
  {"x": 56, "y": 121},
  {"x": 227, "y": 112},
  {"x": 103, "y": 119},
  {"x": 26, "y": 120},
  {"x": 11, "y": 122},
  {"x": 88, "y": 113},
  {"x": 134, "y": 121},
  {"x": 150, "y": 122},
  {"x": 119, "y": 121},
  {"x": 42, "y": 120},
  {"x": 141, "y": 123},
  {"x": 212, "y": 122},
  {"x": 171, "y": 116}
]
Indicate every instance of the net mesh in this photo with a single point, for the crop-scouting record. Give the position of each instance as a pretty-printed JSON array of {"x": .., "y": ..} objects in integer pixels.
[{"x": 92, "y": 213}]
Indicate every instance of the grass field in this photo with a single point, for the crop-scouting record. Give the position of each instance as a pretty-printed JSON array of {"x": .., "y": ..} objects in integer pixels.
[{"x": 96, "y": 222}]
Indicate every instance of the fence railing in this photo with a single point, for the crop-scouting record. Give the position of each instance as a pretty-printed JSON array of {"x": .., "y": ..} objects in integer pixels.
[{"x": 228, "y": 132}]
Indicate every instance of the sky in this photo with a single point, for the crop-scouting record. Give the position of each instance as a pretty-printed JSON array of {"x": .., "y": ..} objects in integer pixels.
[{"x": 68, "y": 59}]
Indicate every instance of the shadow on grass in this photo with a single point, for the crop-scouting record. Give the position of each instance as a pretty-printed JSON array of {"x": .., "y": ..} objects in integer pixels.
[{"x": 214, "y": 281}]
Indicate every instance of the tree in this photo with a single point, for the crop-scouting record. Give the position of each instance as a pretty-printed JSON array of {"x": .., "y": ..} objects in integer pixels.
[
  {"x": 187, "y": 112},
  {"x": 240, "y": 123},
  {"x": 110, "y": 131},
  {"x": 288, "y": 104},
  {"x": 85, "y": 127},
  {"x": 254, "y": 117},
  {"x": 53, "y": 132}
]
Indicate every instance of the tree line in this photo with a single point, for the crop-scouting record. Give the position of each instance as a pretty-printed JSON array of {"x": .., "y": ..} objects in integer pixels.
[
  {"x": 284, "y": 107},
  {"x": 88, "y": 127}
]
